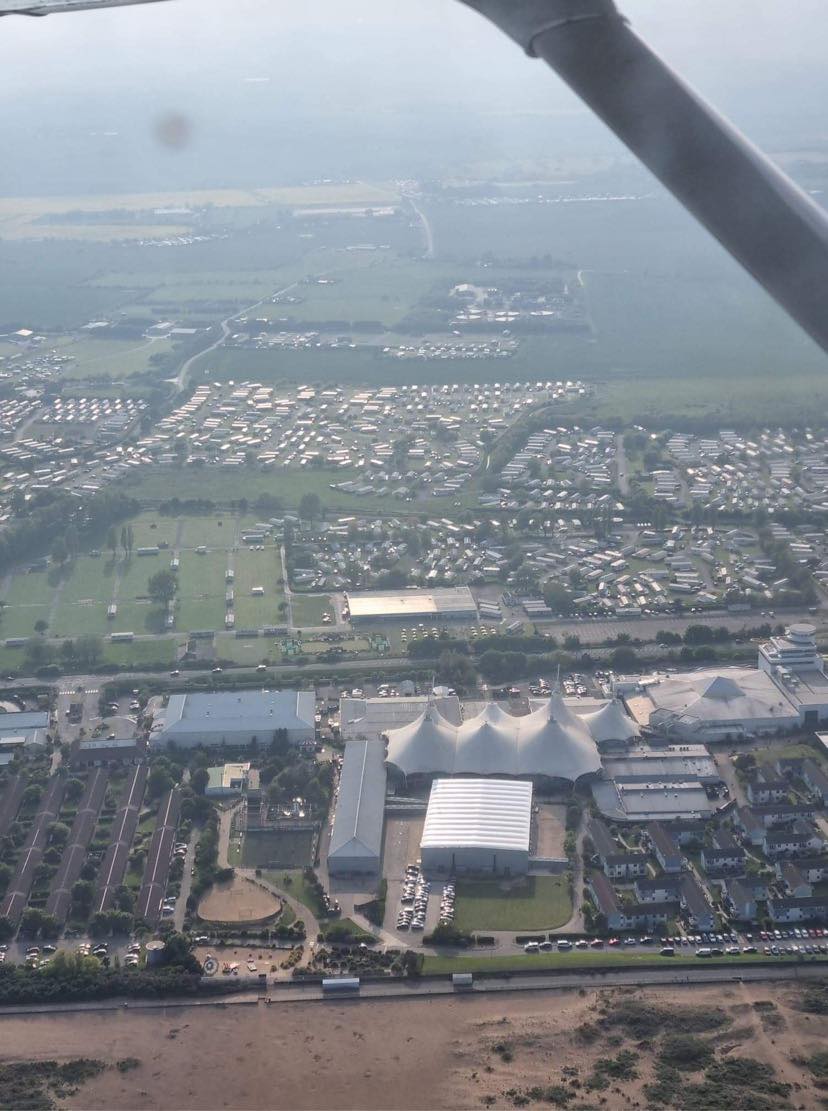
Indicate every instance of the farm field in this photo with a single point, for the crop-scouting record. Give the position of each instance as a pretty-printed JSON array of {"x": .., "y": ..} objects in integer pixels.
[
  {"x": 529, "y": 903},
  {"x": 366, "y": 286},
  {"x": 110, "y": 358},
  {"x": 19, "y": 216}
]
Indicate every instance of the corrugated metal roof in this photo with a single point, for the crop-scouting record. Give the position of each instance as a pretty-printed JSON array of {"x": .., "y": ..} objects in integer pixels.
[
  {"x": 478, "y": 813},
  {"x": 360, "y": 804},
  {"x": 231, "y": 711}
]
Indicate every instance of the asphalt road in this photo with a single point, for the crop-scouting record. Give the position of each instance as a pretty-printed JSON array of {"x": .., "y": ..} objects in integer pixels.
[
  {"x": 17, "y": 895},
  {"x": 113, "y": 865},
  {"x": 157, "y": 868},
  {"x": 295, "y": 992},
  {"x": 60, "y": 896}
]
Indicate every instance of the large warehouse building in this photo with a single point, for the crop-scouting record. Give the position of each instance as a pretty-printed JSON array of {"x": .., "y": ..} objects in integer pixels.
[
  {"x": 477, "y": 825},
  {"x": 551, "y": 741},
  {"x": 454, "y": 604},
  {"x": 356, "y": 838},
  {"x": 234, "y": 718}
]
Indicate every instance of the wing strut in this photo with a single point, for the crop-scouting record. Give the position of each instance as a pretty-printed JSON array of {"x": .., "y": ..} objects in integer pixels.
[{"x": 765, "y": 221}]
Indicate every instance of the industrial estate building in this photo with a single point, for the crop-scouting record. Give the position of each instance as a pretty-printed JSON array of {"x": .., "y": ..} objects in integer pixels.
[
  {"x": 477, "y": 825},
  {"x": 22, "y": 731},
  {"x": 235, "y": 719},
  {"x": 443, "y": 604},
  {"x": 356, "y": 838}
]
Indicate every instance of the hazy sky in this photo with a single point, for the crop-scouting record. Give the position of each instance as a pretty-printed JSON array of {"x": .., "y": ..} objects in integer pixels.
[
  {"x": 697, "y": 34},
  {"x": 243, "y": 72}
]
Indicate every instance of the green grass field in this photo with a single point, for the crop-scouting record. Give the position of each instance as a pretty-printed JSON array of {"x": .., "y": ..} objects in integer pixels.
[
  {"x": 532, "y": 962},
  {"x": 309, "y": 609},
  {"x": 293, "y": 882},
  {"x": 115, "y": 358},
  {"x": 291, "y": 485},
  {"x": 529, "y": 903},
  {"x": 274, "y": 849}
]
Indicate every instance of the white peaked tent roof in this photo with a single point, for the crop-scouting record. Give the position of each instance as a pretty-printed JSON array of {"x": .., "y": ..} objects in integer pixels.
[
  {"x": 555, "y": 741},
  {"x": 611, "y": 723},
  {"x": 552, "y": 741},
  {"x": 425, "y": 745},
  {"x": 486, "y": 743}
]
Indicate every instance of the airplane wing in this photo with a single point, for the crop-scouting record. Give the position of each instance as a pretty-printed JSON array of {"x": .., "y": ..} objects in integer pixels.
[{"x": 47, "y": 7}]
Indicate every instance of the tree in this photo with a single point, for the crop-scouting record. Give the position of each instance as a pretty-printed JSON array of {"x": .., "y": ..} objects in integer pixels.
[
  {"x": 40, "y": 626},
  {"x": 72, "y": 540},
  {"x": 623, "y": 658},
  {"x": 39, "y": 653},
  {"x": 558, "y": 598},
  {"x": 88, "y": 649},
  {"x": 60, "y": 552},
  {"x": 83, "y": 892},
  {"x": 73, "y": 789},
  {"x": 112, "y": 540},
  {"x": 310, "y": 507},
  {"x": 162, "y": 586},
  {"x": 199, "y": 780},
  {"x": 159, "y": 780},
  {"x": 59, "y": 833},
  {"x": 457, "y": 670}
]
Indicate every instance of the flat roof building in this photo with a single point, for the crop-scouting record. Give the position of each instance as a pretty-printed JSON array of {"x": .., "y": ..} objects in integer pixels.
[
  {"x": 234, "y": 718},
  {"x": 670, "y": 764},
  {"x": 456, "y": 603},
  {"x": 229, "y": 780},
  {"x": 477, "y": 825},
  {"x": 372, "y": 717},
  {"x": 356, "y": 839}
]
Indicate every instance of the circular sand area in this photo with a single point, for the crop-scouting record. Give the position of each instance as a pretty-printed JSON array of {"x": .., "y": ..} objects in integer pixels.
[{"x": 238, "y": 901}]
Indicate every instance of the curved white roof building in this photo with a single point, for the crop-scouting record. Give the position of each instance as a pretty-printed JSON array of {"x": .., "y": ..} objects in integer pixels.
[
  {"x": 552, "y": 741},
  {"x": 611, "y": 723}
]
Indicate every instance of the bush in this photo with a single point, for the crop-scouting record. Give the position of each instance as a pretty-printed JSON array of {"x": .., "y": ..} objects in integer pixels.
[
  {"x": 446, "y": 933},
  {"x": 683, "y": 1051}
]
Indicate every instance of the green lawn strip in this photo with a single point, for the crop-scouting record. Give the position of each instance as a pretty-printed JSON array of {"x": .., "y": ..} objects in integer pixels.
[
  {"x": 339, "y": 925},
  {"x": 88, "y": 578},
  {"x": 211, "y": 530},
  {"x": 292, "y": 882},
  {"x": 530, "y": 903},
  {"x": 136, "y": 617},
  {"x": 530, "y": 962},
  {"x": 247, "y": 651},
  {"x": 139, "y": 653},
  {"x": 290, "y": 485},
  {"x": 309, "y": 609},
  {"x": 79, "y": 618},
  {"x": 19, "y": 621},
  {"x": 30, "y": 589}
]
